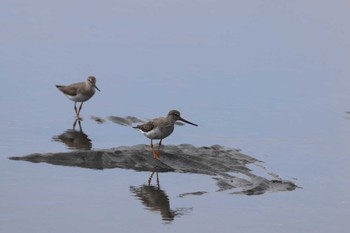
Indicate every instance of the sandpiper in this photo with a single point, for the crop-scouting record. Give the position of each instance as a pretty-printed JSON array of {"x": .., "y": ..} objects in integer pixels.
[
  {"x": 160, "y": 128},
  {"x": 79, "y": 92}
]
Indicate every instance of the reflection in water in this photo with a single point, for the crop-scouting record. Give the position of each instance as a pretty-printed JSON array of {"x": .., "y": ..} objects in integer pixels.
[
  {"x": 79, "y": 123},
  {"x": 125, "y": 121},
  {"x": 99, "y": 120},
  {"x": 129, "y": 120},
  {"x": 348, "y": 114},
  {"x": 151, "y": 177},
  {"x": 155, "y": 199},
  {"x": 74, "y": 139}
]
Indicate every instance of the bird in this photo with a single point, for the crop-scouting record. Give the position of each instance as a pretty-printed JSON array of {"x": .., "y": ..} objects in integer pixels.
[
  {"x": 79, "y": 92},
  {"x": 160, "y": 128}
]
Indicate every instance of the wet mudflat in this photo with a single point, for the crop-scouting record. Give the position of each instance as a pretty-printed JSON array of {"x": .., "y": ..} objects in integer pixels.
[{"x": 219, "y": 163}]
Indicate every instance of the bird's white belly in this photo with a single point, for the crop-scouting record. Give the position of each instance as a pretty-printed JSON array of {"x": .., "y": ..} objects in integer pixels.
[
  {"x": 79, "y": 97},
  {"x": 159, "y": 133}
]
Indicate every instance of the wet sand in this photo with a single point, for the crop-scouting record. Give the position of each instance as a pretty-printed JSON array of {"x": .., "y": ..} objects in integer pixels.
[{"x": 232, "y": 171}]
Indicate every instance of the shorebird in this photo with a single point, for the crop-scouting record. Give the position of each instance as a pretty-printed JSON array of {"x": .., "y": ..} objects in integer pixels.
[
  {"x": 79, "y": 92},
  {"x": 160, "y": 128}
]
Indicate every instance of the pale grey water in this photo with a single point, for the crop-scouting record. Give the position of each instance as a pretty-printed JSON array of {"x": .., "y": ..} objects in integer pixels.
[{"x": 270, "y": 78}]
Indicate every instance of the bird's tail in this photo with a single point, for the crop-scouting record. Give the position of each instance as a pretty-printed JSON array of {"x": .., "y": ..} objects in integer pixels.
[{"x": 59, "y": 87}]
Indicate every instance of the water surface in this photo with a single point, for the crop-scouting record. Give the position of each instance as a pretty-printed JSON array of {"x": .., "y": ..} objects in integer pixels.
[{"x": 269, "y": 78}]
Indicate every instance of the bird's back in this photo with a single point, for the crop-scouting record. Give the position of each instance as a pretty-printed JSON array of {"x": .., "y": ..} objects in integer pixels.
[
  {"x": 71, "y": 89},
  {"x": 77, "y": 92}
]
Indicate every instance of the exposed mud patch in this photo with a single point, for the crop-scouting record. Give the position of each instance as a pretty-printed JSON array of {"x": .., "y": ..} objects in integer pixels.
[{"x": 232, "y": 170}]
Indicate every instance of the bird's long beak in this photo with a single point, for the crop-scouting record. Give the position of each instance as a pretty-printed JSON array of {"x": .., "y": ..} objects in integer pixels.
[
  {"x": 96, "y": 87},
  {"x": 181, "y": 119}
]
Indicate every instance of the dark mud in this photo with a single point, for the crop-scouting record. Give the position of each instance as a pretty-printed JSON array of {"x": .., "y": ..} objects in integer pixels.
[{"x": 232, "y": 170}]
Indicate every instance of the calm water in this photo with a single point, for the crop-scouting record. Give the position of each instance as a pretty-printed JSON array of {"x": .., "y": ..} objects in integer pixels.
[{"x": 270, "y": 78}]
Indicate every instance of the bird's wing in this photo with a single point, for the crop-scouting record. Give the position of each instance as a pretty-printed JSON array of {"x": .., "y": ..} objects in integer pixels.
[
  {"x": 71, "y": 90},
  {"x": 146, "y": 127}
]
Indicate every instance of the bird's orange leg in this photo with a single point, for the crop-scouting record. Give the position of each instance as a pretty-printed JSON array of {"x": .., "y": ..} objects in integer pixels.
[
  {"x": 81, "y": 105},
  {"x": 76, "y": 110},
  {"x": 154, "y": 153},
  {"x": 160, "y": 143}
]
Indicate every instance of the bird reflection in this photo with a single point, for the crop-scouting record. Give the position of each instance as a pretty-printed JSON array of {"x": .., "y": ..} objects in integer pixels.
[
  {"x": 155, "y": 199},
  {"x": 150, "y": 179},
  {"x": 75, "y": 139},
  {"x": 79, "y": 123}
]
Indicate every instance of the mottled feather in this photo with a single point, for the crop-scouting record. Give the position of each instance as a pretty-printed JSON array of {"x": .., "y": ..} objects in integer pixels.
[
  {"x": 71, "y": 90},
  {"x": 146, "y": 127}
]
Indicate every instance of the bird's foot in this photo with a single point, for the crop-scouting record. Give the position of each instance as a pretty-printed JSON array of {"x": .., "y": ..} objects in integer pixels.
[{"x": 156, "y": 155}]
